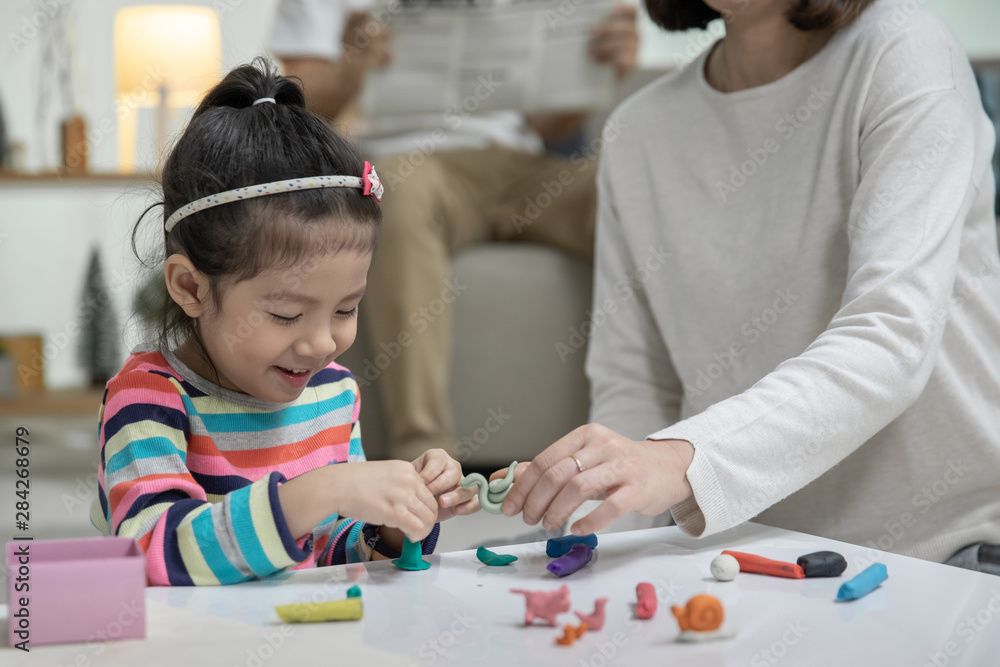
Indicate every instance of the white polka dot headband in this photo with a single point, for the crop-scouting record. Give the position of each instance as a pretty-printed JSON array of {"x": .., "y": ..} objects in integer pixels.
[{"x": 368, "y": 181}]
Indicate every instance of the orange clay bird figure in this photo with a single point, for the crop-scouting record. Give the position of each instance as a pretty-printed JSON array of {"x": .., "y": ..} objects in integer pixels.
[{"x": 571, "y": 634}]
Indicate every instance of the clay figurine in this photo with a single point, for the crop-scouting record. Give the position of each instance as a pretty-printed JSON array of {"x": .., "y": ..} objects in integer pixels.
[
  {"x": 318, "y": 612},
  {"x": 724, "y": 567},
  {"x": 645, "y": 608},
  {"x": 487, "y": 557},
  {"x": 701, "y": 620},
  {"x": 760, "y": 565},
  {"x": 594, "y": 621},
  {"x": 822, "y": 564},
  {"x": 354, "y": 592},
  {"x": 491, "y": 494},
  {"x": 571, "y": 634},
  {"x": 864, "y": 583},
  {"x": 544, "y": 604},
  {"x": 577, "y": 557},
  {"x": 411, "y": 557},
  {"x": 559, "y": 546}
]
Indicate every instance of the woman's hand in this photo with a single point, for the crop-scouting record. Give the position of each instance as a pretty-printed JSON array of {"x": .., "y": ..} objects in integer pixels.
[
  {"x": 387, "y": 493},
  {"x": 616, "y": 40},
  {"x": 647, "y": 477},
  {"x": 441, "y": 474}
]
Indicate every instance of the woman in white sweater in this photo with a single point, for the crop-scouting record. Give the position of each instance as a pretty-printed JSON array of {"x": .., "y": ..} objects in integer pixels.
[{"x": 797, "y": 292}]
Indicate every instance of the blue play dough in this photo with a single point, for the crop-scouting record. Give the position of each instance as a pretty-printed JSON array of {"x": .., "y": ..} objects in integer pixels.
[
  {"x": 560, "y": 546},
  {"x": 864, "y": 583}
]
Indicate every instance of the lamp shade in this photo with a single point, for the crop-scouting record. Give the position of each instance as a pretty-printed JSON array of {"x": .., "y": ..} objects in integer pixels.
[{"x": 176, "y": 47}]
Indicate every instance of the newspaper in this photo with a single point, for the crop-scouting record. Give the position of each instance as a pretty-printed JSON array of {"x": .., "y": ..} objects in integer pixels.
[{"x": 489, "y": 55}]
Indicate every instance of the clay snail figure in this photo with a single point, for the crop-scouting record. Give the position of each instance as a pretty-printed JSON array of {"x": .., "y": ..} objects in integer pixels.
[
  {"x": 702, "y": 613},
  {"x": 701, "y": 620},
  {"x": 491, "y": 494}
]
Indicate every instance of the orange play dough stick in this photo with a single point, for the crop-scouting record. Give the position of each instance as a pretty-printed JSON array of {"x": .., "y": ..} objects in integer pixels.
[{"x": 760, "y": 565}]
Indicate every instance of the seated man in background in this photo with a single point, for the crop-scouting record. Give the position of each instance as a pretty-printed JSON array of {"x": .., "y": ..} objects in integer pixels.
[{"x": 450, "y": 181}]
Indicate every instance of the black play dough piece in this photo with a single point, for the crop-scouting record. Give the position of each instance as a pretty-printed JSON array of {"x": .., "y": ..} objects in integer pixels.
[{"x": 822, "y": 564}]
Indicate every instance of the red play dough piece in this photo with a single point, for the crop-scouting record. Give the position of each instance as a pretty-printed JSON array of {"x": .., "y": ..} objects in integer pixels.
[
  {"x": 646, "y": 606},
  {"x": 594, "y": 621},
  {"x": 544, "y": 604},
  {"x": 760, "y": 565}
]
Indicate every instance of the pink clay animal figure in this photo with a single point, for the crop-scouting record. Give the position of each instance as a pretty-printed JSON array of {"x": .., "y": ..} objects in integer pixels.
[
  {"x": 594, "y": 621},
  {"x": 544, "y": 604}
]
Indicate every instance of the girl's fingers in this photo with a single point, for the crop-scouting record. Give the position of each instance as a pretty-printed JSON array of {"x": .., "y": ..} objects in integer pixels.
[
  {"x": 591, "y": 484},
  {"x": 431, "y": 467},
  {"x": 458, "y": 496},
  {"x": 447, "y": 480},
  {"x": 468, "y": 507}
]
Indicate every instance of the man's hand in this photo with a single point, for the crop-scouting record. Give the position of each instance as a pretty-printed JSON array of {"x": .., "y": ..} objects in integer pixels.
[
  {"x": 616, "y": 40},
  {"x": 367, "y": 41}
]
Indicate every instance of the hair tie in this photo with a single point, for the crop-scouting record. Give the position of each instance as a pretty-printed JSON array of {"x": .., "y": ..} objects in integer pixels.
[
  {"x": 369, "y": 184},
  {"x": 264, "y": 99}
]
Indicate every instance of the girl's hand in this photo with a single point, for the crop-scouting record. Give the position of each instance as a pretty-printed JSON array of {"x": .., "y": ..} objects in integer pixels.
[
  {"x": 387, "y": 493},
  {"x": 441, "y": 474},
  {"x": 646, "y": 477},
  {"x": 616, "y": 40}
]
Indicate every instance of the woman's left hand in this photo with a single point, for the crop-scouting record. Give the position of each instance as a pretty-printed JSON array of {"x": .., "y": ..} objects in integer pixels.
[
  {"x": 647, "y": 477},
  {"x": 615, "y": 40},
  {"x": 441, "y": 473}
]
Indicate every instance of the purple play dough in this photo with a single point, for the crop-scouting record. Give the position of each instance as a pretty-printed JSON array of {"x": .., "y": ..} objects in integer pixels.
[{"x": 577, "y": 557}]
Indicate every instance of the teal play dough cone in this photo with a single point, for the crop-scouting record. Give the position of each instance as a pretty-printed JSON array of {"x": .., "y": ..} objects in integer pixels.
[{"x": 411, "y": 559}]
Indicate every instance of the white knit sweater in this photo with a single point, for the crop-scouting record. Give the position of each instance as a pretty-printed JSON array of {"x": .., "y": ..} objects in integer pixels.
[{"x": 825, "y": 328}]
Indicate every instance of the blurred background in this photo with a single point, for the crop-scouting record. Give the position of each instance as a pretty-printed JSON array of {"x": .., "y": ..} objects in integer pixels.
[{"x": 84, "y": 120}]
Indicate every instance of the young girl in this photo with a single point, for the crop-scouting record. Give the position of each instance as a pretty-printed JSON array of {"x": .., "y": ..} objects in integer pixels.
[{"x": 217, "y": 449}]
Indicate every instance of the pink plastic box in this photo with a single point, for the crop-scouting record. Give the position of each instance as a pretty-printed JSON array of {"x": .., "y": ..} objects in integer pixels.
[{"x": 82, "y": 590}]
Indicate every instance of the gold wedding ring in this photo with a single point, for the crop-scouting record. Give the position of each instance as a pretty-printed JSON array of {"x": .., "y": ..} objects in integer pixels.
[{"x": 579, "y": 466}]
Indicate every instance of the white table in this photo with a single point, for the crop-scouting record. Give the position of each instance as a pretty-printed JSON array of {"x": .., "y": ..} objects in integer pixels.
[{"x": 461, "y": 612}]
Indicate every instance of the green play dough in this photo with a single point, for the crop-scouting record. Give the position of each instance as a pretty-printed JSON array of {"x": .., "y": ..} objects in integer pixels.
[
  {"x": 410, "y": 558},
  {"x": 489, "y": 558},
  {"x": 491, "y": 494}
]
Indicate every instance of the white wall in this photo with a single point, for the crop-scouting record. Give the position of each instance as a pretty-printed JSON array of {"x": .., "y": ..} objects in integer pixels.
[{"x": 246, "y": 25}]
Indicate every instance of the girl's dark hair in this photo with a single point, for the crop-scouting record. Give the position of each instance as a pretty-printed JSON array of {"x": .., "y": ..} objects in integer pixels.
[
  {"x": 233, "y": 143},
  {"x": 804, "y": 14}
]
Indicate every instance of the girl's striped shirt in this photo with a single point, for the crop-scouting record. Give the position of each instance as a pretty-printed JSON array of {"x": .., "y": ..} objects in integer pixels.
[{"x": 192, "y": 470}]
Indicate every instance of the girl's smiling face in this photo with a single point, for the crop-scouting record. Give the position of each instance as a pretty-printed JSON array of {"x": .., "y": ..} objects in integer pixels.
[{"x": 271, "y": 333}]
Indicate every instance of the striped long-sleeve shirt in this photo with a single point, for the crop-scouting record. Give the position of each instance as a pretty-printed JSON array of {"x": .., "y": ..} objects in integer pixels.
[{"x": 192, "y": 471}]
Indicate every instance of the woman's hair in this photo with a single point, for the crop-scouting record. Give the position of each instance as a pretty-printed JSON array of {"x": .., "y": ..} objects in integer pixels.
[
  {"x": 804, "y": 14},
  {"x": 233, "y": 143}
]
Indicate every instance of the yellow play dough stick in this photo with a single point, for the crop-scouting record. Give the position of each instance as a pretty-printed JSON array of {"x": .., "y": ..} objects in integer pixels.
[{"x": 317, "y": 612}]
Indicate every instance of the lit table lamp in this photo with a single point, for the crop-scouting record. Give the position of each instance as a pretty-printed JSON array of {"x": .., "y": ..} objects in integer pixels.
[{"x": 166, "y": 56}]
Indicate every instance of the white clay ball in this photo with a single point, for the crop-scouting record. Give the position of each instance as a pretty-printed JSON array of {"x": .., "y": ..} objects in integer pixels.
[{"x": 725, "y": 567}]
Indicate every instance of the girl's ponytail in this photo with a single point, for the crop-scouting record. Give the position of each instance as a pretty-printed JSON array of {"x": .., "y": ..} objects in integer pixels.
[{"x": 244, "y": 85}]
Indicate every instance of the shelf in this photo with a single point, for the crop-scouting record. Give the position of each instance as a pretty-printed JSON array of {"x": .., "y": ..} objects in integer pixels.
[
  {"x": 58, "y": 403},
  {"x": 57, "y": 178}
]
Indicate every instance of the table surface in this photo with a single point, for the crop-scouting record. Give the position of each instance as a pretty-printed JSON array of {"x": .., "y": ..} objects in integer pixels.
[{"x": 461, "y": 612}]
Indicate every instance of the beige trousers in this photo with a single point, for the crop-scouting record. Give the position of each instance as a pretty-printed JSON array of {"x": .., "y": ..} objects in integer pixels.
[{"x": 433, "y": 206}]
